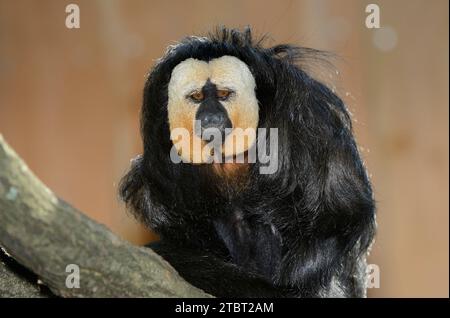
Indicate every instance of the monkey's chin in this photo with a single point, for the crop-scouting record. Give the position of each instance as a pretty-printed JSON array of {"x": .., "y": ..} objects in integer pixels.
[{"x": 233, "y": 169}]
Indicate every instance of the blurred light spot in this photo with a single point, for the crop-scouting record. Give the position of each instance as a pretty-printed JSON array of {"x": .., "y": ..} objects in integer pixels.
[
  {"x": 385, "y": 38},
  {"x": 12, "y": 194}
]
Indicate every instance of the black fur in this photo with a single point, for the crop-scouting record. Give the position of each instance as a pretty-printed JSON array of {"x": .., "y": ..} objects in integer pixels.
[{"x": 303, "y": 231}]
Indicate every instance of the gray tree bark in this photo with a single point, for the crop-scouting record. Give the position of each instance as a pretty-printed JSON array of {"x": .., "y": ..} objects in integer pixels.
[{"x": 42, "y": 235}]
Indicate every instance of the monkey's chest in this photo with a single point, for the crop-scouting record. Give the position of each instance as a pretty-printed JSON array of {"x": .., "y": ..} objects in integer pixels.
[{"x": 252, "y": 244}]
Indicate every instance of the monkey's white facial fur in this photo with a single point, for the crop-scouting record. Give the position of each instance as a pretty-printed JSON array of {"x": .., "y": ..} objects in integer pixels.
[{"x": 223, "y": 85}]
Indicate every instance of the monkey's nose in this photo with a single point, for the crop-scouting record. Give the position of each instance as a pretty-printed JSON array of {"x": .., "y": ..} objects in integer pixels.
[
  {"x": 213, "y": 120},
  {"x": 213, "y": 125}
]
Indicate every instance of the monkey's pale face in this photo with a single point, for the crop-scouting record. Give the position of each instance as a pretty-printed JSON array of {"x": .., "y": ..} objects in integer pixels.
[{"x": 218, "y": 94}]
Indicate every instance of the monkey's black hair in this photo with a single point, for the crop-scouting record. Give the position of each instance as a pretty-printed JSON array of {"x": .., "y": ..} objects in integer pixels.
[{"x": 314, "y": 216}]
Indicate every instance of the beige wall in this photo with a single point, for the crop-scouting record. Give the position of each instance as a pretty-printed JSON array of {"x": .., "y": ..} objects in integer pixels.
[{"x": 69, "y": 102}]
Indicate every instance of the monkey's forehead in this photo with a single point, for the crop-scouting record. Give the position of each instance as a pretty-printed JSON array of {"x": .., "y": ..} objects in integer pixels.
[{"x": 225, "y": 71}]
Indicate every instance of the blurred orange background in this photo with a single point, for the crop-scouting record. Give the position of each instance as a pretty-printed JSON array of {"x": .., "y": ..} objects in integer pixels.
[{"x": 70, "y": 99}]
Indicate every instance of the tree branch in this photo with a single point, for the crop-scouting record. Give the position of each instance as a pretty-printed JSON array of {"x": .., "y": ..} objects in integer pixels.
[{"x": 45, "y": 234}]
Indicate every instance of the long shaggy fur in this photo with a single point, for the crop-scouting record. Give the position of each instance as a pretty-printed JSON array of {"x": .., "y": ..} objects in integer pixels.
[{"x": 303, "y": 231}]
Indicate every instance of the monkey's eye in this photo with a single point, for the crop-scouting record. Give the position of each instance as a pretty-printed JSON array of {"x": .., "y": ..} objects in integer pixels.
[
  {"x": 224, "y": 94},
  {"x": 196, "y": 96}
]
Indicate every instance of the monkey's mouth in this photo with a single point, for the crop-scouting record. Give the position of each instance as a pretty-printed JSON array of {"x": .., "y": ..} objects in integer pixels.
[
  {"x": 214, "y": 146},
  {"x": 215, "y": 135},
  {"x": 240, "y": 158}
]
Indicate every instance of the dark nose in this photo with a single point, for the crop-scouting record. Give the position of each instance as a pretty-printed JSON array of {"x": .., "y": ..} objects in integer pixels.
[
  {"x": 210, "y": 123},
  {"x": 212, "y": 117},
  {"x": 213, "y": 120}
]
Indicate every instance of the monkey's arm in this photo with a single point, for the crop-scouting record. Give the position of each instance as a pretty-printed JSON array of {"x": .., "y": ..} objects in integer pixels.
[{"x": 214, "y": 275}]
